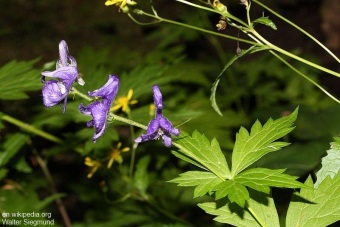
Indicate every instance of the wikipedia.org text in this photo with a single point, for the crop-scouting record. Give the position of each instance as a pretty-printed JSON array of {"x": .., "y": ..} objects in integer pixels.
[{"x": 27, "y": 218}]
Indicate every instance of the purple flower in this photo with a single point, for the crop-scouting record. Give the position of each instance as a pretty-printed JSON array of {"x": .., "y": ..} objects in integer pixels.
[
  {"x": 160, "y": 126},
  {"x": 99, "y": 109},
  {"x": 54, "y": 91}
]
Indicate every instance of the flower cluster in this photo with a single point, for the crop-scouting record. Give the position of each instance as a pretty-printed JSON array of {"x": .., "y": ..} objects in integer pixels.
[
  {"x": 159, "y": 126},
  {"x": 56, "y": 90},
  {"x": 99, "y": 109}
]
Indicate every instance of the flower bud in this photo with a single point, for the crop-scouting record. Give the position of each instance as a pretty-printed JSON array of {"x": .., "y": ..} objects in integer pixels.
[
  {"x": 244, "y": 2},
  {"x": 219, "y": 6},
  {"x": 125, "y": 9},
  {"x": 222, "y": 24}
]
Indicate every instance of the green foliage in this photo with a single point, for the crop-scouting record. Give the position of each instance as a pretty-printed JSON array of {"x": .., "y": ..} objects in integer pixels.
[
  {"x": 318, "y": 206},
  {"x": 9, "y": 149},
  {"x": 23, "y": 198},
  {"x": 260, "y": 211},
  {"x": 17, "y": 78},
  {"x": 265, "y": 21},
  {"x": 12, "y": 145},
  {"x": 234, "y": 187},
  {"x": 141, "y": 179},
  {"x": 204, "y": 182},
  {"x": 330, "y": 163},
  {"x": 249, "y": 147},
  {"x": 208, "y": 155}
]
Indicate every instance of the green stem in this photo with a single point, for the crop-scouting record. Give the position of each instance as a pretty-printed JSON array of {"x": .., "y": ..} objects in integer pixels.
[
  {"x": 248, "y": 13},
  {"x": 306, "y": 77},
  {"x": 298, "y": 28},
  {"x": 196, "y": 28},
  {"x": 127, "y": 121},
  {"x": 228, "y": 15},
  {"x": 278, "y": 49},
  {"x": 31, "y": 129},
  {"x": 75, "y": 91},
  {"x": 142, "y": 23},
  {"x": 133, "y": 152}
]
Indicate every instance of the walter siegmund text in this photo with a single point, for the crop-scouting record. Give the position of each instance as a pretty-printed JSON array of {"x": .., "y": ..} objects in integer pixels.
[{"x": 27, "y": 218}]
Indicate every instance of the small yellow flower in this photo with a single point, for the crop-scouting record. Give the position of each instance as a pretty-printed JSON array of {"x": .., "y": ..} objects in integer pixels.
[
  {"x": 124, "y": 102},
  {"x": 152, "y": 110},
  {"x": 120, "y": 3},
  {"x": 115, "y": 155},
  {"x": 93, "y": 164}
]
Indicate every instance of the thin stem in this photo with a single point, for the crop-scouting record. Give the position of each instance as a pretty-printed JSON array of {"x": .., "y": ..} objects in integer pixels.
[
  {"x": 127, "y": 121},
  {"x": 142, "y": 23},
  {"x": 248, "y": 13},
  {"x": 298, "y": 28},
  {"x": 228, "y": 15},
  {"x": 306, "y": 77},
  {"x": 82, "y": 95},
  {"x": 31, "y": 129},
  {"x": 58, "y": 201},
  {"x": 196, "y": 28},
  {"x": 133, "y": 152},
  {"x": 278, "y": 49}
]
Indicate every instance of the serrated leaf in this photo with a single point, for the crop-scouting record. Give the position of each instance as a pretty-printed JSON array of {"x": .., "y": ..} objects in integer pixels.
[
  {"x": 187, "y": 159},
  {"x": 236, "y": 192},
  {"x": 198, "y": 148},
  {"x": 203, "y": 181},
  {"x": 11, "y": 146},
  {"x": 16, "y": 78},
  {"x": 261, "y": 179},
  {"x": 250, "y": 147},
  {"x": 323, "y": 208},
  {"x": 141, "y": 178},
  {"x": 259, "y": 204},
  {"x": 330, "y": 163},
  {"x": 265, "y": 21}
]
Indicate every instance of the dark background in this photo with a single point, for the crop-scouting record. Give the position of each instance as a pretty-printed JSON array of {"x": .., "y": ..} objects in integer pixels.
[{"x": 33, "y": 29}]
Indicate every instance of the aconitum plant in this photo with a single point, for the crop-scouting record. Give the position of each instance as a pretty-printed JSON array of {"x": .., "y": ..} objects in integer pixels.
[{"x": 149, "y": 149}]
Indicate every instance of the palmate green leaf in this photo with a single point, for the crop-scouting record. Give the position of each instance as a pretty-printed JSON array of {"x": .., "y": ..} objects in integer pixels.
[
  {"x": 235, "y": 191},
  {"x": 261, "y": 179},
  {"x": 330, "y": 163},
  {"x": 16, "y": 78},
  {"x": 315, "y": 207},
  {"x": 259, "y": 205},
  {"x": 251, "y": 147},
  {"x": 187, "y": 159},
  {"x": 198, "y": 148},
  {"x": 204, "y": 181}
]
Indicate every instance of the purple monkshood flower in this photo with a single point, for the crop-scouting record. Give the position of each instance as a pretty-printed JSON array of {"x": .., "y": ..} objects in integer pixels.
[
  {"x": 99, "y": 109},
  {"x": 54, "y": 91},
  {"x": 159, "y": 126}
]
